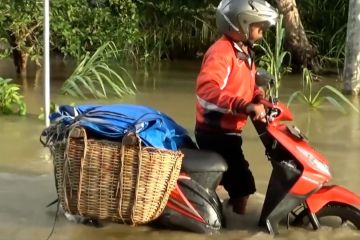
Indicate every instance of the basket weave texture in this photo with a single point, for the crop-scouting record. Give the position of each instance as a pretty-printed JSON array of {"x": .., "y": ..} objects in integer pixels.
[{"x": 117, "y": 181}]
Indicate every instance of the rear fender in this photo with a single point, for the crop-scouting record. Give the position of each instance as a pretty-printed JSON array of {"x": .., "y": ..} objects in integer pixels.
[
  {"x": 192, "y": 207},
  {"x": 329, "y": 194}
]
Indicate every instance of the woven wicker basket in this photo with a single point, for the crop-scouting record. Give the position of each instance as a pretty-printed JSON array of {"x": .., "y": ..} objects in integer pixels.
[{"x": 121, "y": 182}]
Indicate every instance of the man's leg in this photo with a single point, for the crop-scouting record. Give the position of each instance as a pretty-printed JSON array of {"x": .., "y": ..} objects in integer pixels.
[{"x": 238, "y": 180}]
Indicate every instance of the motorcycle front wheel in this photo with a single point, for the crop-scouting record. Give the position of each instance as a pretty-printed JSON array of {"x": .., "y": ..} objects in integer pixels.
[{"x": 332, "y": 215}]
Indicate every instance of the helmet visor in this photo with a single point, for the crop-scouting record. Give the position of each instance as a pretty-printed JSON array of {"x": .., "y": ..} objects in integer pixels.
[{"x": 264, "y": 26}]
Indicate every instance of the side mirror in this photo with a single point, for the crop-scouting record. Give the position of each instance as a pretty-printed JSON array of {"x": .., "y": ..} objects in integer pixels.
[{"x": 263, "y": 78}]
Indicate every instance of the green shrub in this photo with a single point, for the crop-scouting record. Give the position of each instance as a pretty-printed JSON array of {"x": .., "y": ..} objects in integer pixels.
[{"x": 11, "y": 102}]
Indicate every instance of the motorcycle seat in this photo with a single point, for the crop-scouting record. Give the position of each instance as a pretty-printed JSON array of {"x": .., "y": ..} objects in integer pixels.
[{"x": 196, "y": 160}]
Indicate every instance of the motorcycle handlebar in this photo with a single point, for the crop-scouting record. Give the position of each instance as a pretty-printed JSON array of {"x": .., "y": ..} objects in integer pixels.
[
  {"x": 266, "y": 103},
  {"x": 276, "y": 109}
]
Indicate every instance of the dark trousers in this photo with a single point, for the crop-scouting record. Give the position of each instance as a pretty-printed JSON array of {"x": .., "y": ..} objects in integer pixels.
[{"x": 238, "y": 179}]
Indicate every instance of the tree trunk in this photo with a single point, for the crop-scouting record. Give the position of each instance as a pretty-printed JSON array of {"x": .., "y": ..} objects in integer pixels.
[
  {"x": 352, "y": 50},
  {"x": 20, "y": 58},
  {"x": 20, "y": 61},
  {"x": 303, "y": 53}
]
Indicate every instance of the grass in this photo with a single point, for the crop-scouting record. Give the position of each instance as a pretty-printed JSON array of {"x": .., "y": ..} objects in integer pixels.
[{"x": 273, "y": 59}]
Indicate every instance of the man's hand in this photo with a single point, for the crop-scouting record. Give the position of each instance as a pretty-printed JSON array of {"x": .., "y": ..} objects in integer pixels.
[
  {"x": 260, "y": 94},
  {"x": 257, "y": 111}
]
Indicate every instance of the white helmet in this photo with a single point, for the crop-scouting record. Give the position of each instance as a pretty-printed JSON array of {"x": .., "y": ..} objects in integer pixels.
[{"x": 233, "y": 17}]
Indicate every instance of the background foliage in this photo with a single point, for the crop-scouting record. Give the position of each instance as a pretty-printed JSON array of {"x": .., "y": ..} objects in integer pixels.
[
  {"x": 325, "y": 22},
  {"x": 150, "y": 30},
  {"x": 79, "y": 26},
  {"x": 21, "y": 23}
]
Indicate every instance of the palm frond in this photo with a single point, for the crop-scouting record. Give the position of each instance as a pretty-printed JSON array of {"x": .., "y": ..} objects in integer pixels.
[
  {"x": 320, "y": 96},
  {"x": 336, "y": 104},
  {"x": 93, "y": 72}
]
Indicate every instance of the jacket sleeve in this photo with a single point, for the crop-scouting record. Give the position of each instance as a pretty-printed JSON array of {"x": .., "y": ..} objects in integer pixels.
[{"x": 210, "y": 86}]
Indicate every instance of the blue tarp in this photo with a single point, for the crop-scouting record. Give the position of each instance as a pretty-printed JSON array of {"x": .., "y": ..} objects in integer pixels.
[{"x": 112, "y": 122}]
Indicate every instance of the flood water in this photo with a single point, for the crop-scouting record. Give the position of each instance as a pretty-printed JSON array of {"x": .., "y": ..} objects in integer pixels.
[{"x": 27, "y": 183}]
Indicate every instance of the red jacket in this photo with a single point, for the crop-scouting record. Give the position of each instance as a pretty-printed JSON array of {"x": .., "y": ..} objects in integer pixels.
[{"x": 224, "y": 87}]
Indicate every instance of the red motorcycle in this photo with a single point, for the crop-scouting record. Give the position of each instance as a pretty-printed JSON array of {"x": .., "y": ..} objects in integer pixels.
[{"x": 297, "y": 190}]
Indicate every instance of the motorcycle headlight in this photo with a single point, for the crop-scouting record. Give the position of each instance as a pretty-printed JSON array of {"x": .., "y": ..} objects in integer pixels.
[{"x": 316, "y": 163}]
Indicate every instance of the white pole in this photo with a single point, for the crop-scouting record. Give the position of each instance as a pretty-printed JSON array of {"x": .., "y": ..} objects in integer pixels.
[{"x": 47, "y": 61}]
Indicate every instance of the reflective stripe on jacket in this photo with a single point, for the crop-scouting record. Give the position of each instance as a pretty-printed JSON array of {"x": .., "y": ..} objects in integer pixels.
[{"x": 224, "y": 87}]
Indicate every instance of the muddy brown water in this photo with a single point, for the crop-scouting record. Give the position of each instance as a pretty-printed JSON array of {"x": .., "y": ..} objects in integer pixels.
[{"x": 27, "y": 183}]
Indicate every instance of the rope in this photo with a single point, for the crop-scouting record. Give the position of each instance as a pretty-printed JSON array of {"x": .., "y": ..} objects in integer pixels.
[
  {"x": 121, "y": 180},
  {"x": 137, "y": 182},
  {"x": 66, "y": 177},
  {"x": 56, "y": 216},
  {"x": 67, "y": 165},
  {"x": 82, "y": 162}
]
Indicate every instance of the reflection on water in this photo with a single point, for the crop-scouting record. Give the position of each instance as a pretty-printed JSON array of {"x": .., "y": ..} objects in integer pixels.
[{"x": 27, "y": 184}]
